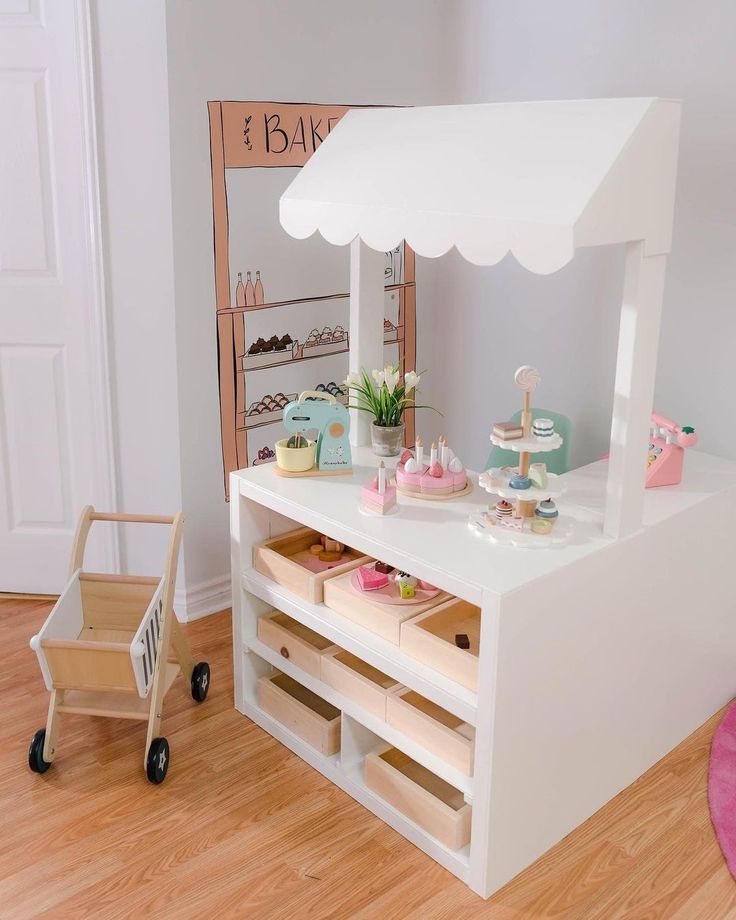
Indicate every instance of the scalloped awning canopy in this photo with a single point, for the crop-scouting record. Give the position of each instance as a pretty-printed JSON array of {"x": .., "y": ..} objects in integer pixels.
[{"x": 535, "y": 178}]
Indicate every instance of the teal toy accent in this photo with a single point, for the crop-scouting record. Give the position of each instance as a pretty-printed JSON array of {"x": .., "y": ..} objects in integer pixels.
[
  {"x": 556, "y": 461},
  {"x": 321, "y": 411}
]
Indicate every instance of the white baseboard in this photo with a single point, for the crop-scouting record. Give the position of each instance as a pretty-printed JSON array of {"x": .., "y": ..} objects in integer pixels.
[{"x": 203, "y": 599}]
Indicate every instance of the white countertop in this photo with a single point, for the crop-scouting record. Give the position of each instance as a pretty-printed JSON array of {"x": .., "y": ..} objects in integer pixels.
[{"x": 432, "y": 539}]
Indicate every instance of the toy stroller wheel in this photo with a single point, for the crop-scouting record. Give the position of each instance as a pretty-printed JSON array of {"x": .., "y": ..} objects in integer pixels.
[
  {"x": 35, "y": 753},
  {"x": 157, "y": 764},
  {"x": 200, "y": 681}
]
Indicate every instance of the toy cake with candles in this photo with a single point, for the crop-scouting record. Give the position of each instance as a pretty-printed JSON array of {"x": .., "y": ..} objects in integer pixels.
[{"x": 436, "y": 474}]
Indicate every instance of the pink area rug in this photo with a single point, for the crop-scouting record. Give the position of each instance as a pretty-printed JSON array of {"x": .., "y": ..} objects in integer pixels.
[{"x": 722, "y": 786}]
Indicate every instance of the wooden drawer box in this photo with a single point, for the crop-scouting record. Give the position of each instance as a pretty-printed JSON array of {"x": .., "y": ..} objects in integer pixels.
[
  {"x": 304, "y": 713},
  {"x": 296, "y": 642},
  {"x": 436, "y": 729},
  {"x": 285, "y": 560},
  {"x": 356, "y": 679},
  {"x": 430, "y": 638},
  {"x": 424, "y": 798},
  {"x": 382, "y": 619}
]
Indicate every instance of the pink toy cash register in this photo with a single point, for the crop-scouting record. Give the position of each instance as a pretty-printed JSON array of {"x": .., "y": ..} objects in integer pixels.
[{"x": 667, "y": 443}]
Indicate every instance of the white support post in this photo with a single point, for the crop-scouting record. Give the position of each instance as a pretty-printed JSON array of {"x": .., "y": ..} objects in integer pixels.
[
  {"x": 366, "y": 324},
  {"x": 636, "y": 367}
]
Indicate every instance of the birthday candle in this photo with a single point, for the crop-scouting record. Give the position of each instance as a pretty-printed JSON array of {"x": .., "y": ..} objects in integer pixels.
[
  {"x": 382, "y": 478},
  {"x": 443, "y": 452},
  {"x": 419, "y": 454},
  {"x": 432, "y": 455}
]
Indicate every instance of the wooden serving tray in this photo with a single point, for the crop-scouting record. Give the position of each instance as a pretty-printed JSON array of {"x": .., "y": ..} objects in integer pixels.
[
  {"x": 430, "y": 638},
  {"x": 358, "y": 680},
  {"x": 285, "y": 559},
  {"x": 438, "y": 731},
  {"x": 416, "y": 792},
  {"x": 383, "y": 619},
  {"x": 294, "y": 641},
  {"x": 301, "y": 711}
]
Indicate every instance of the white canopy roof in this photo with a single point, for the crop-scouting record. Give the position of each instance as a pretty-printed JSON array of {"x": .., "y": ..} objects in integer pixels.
[{"x": 535, "y": 178}]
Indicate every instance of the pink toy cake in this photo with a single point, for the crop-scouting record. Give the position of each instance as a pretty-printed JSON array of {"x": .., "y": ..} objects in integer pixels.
[
  {"x": 440, "y": 475},
  {"x": 379, "y": 497}
]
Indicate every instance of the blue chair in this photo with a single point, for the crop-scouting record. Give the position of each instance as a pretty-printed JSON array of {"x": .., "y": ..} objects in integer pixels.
[{"x": 557, "y": 461}]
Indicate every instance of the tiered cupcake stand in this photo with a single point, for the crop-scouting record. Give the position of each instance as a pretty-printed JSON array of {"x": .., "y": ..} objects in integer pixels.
[{"x": 517, "y": 531}]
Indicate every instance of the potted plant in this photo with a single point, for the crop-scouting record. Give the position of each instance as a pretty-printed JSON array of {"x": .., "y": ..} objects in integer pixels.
[{"x": 386, "y": 397}]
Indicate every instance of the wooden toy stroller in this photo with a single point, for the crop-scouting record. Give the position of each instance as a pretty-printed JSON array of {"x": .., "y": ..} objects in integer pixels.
[{"x": 104, "y": 648}]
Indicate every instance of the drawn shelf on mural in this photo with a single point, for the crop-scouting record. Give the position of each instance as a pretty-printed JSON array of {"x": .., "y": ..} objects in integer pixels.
[
  {"x": 247, "y": 135},
  {"x": 277, "y": 350},
  {"x": 270, "y": 409}
]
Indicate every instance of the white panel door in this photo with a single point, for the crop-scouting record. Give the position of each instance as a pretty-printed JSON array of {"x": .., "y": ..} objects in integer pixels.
[{"x": 55, "y": 440}]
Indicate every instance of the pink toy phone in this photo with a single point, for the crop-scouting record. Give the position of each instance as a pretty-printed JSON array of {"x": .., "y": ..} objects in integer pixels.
[{"x": 667, "y": 443}]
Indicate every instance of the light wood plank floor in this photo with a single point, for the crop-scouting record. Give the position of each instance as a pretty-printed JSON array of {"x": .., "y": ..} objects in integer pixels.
[{"x": 243, "y": 828}]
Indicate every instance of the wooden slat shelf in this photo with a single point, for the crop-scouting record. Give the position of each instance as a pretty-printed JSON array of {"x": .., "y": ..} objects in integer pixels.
[
  {"x": 302, "y": 357},
  {"x": 234, "y": 311}
]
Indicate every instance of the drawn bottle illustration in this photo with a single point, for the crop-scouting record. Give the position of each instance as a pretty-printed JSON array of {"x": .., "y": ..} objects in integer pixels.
[
  {"x": 259, "y": 289},
  {"x": 240, "y": 292},
  {"x": 250, "y": 294}
]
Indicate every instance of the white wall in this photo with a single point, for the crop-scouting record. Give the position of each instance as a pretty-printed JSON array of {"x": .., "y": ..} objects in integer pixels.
[
  {"x": 133, "y": 133},
  {"x": 322, "y": 51},
  {"x": 533, "y": 49}
]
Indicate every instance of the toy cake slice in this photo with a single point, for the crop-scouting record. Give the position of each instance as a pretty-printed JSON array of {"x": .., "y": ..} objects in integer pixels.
[
  {"x": 379, "y": 502},
  {"x": 371, "y": 580}
]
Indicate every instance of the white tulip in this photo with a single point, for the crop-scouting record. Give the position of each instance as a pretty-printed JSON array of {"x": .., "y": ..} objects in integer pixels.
[
  {"x": 352, "y": 380},
  {"x": 411, "y": 381},
  {"x": 391, "y": 377},
  {"x": 379, "y": 377}
]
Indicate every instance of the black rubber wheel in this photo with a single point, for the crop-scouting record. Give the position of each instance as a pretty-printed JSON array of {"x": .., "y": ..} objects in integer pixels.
[
  {"x": 157, "y": 762},
  {"x": 35, "y": 753},
  {"x": 200, "y": 681}
]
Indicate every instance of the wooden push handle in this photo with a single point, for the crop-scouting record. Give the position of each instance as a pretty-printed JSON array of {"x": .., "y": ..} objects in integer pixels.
[
  {"x": 131, "y": 518},
  {"x": 89, "y": 515}
]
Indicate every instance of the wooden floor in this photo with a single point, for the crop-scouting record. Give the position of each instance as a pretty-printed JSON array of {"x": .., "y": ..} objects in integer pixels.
[{"x": 243, "y": 828}]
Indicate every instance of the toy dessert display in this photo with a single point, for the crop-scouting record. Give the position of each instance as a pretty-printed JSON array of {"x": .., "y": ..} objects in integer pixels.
[
  {"x": 380, "y": 496},
  {"x": 439, "y": 475},
  {"x": 525, "y": 512},
  {"x": 330, "y": 453},
  {"x": 390, "y": 586}
]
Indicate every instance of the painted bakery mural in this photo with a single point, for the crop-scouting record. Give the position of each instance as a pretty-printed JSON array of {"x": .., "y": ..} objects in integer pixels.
[{"x": 281, "y": 304}]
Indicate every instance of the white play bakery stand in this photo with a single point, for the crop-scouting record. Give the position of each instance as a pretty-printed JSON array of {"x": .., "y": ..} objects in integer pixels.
[{"x": 588, "y": 661}]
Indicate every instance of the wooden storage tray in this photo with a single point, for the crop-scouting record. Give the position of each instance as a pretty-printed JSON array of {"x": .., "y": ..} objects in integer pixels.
[
  {"x": 304, "y": 713},
  {"x": 424, "y": 798},
  {"x": 382, "y": 619},
  {"x": 430, "y": 638},
  {"x": 278, "y": 558},
  {"x": 294, "y": 641},
  {"x": 436, "y": 729},
  {"x": 358, "y": 680}
]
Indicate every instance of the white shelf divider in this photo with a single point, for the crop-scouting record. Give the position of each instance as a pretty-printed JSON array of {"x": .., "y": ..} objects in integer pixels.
[
  {"x": 351, "y": 781},
  {"x": 383, "y": 655},
  {"x": 375, "y": 725}
]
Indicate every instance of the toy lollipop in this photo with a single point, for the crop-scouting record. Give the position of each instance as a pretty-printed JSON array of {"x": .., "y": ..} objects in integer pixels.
[{"x": 526, "y": 378}]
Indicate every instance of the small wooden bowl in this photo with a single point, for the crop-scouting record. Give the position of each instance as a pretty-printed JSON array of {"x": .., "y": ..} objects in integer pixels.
[{"x": 295, "y": 459}]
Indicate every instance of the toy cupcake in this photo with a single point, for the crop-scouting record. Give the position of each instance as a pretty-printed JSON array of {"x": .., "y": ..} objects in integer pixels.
[
  {"x": 503, "y": 509},
  {"x": 547, "y": 509}
]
